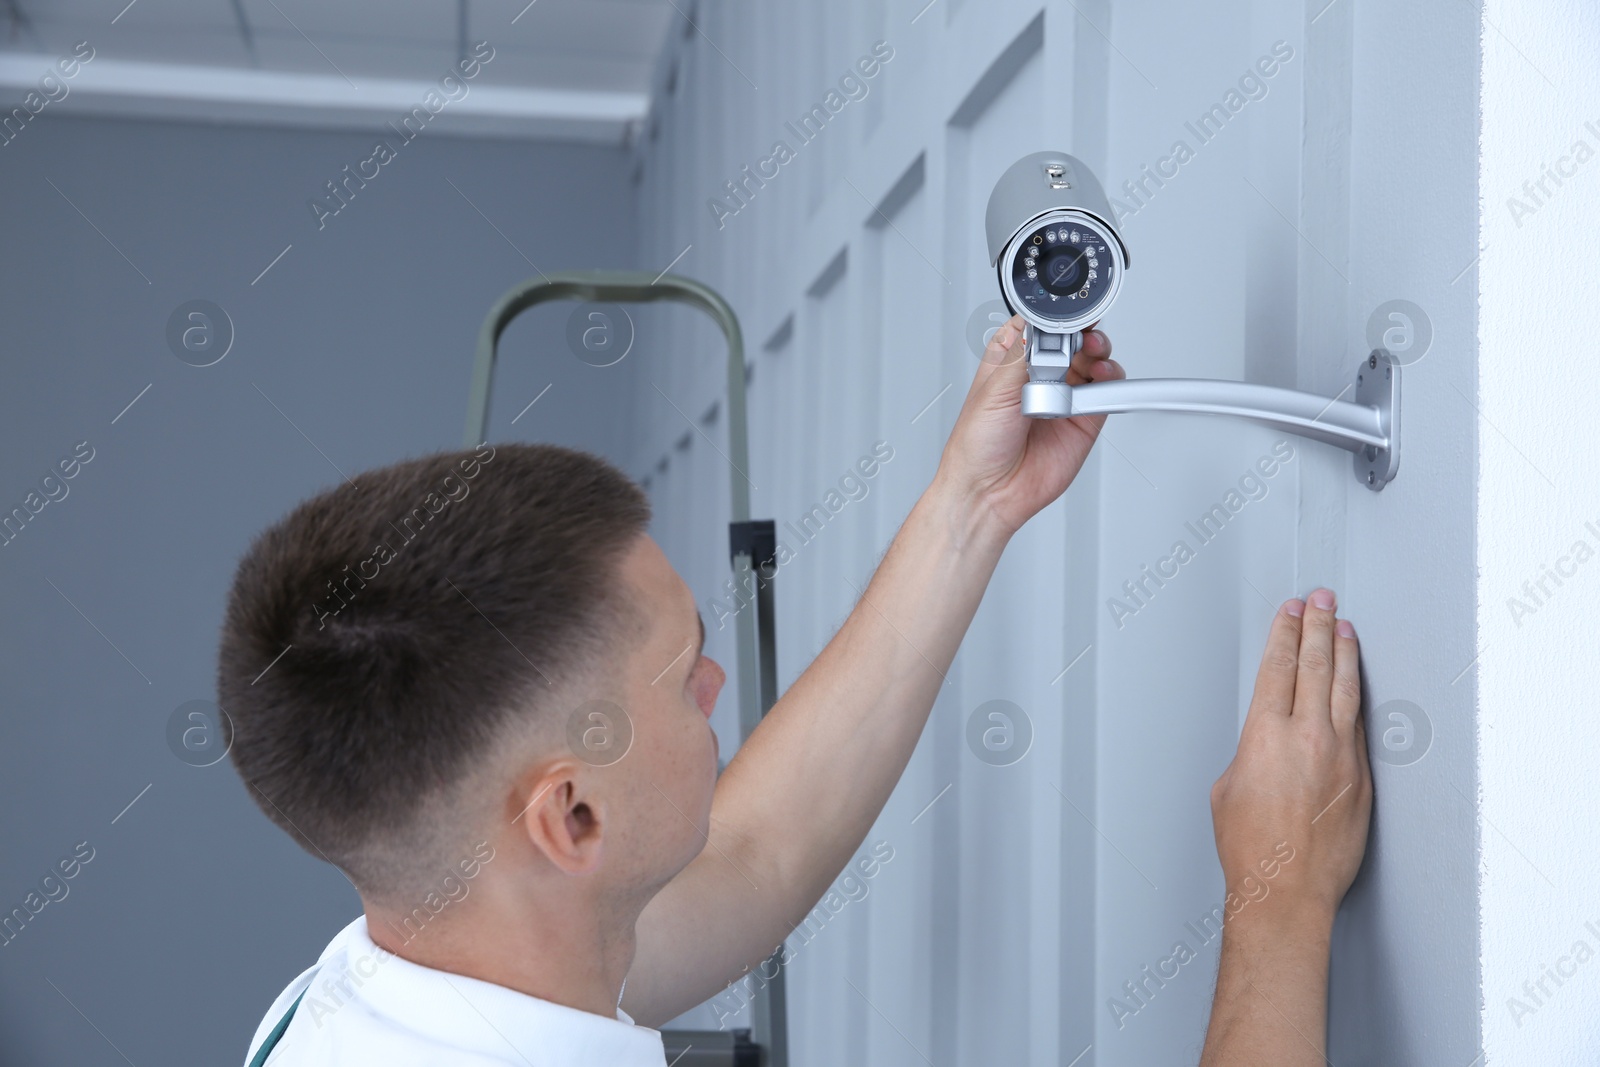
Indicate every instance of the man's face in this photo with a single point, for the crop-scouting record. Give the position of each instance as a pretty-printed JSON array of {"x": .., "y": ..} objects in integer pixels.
[{"x": 666, "y": 779}]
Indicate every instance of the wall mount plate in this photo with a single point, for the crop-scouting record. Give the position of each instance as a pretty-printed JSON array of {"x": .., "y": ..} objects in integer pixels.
[{"x": 1378, "y": 386}]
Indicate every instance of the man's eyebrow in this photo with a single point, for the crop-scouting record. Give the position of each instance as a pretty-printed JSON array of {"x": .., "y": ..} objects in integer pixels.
[{"x": 699, "y": 618}]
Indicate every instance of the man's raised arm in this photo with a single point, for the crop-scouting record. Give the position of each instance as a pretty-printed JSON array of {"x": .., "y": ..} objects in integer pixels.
[{"x": 804, "y": 789}]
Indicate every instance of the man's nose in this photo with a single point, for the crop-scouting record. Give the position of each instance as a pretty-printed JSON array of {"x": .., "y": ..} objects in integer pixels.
[{"x": 710, "y": 686}]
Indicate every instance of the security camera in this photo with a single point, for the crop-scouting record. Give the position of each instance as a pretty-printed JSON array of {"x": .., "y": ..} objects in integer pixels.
[
  {"x": 1054, "y": 244},
  {"x": 1058, "y": 254}
]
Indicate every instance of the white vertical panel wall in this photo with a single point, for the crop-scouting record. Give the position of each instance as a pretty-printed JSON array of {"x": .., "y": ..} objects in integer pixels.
[
  {"x": 1539, "y": 478},
  {"x": 1022, "y": 905}
]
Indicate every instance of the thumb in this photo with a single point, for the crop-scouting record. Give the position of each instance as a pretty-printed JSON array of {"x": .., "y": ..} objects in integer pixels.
[{"x": 1003, "y": 369}]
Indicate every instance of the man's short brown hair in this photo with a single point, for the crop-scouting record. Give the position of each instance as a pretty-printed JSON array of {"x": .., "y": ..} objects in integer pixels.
[{"x": 419, "y": 613}]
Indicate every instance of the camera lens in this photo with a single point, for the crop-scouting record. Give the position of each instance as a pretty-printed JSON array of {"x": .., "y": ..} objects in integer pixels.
[{"x": 1064, "y": 270}]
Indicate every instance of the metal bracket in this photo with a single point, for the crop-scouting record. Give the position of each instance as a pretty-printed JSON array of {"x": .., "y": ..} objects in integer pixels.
[
  {"x": 1369, "y": 427},
  {"x": 1378, "y": 386}
]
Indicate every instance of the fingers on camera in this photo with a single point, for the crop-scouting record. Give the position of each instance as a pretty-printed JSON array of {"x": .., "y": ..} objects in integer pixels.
[
  {"x": 1093, "y": 362},
  {"x": 1005, "y": 346},
  {"x": 1096, "y": 342},
  {"x": 1106, "y": 370}
]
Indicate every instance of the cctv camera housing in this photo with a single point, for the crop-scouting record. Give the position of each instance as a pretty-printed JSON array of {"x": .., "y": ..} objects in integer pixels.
[{"x": 1054, "y": 243}]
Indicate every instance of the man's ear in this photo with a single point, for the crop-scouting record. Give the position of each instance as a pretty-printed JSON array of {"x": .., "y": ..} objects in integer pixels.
[{"x": 561, "y": 815}]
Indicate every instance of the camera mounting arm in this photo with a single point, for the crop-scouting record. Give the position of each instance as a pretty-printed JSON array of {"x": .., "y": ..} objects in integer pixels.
[{"x": 1368, "y": 425}]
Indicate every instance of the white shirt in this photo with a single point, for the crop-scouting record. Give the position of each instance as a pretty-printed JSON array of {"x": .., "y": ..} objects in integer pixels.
[{"x": 364, "y": 1005}]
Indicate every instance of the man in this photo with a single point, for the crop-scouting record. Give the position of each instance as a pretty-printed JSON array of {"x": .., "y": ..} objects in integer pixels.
[{"x": 461, "y": 629}]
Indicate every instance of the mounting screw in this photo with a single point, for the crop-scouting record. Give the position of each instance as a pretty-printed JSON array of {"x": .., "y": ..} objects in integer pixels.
[
  {"x": 1359, "y": 379},
  {"x": 1372, "y": 360},
  {"x": 1388, "y": 372},
  {"x": 1371, "y": 477}
]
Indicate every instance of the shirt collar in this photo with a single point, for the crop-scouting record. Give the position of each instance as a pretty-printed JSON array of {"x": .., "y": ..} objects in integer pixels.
[{"x": 474, "y": 1015}]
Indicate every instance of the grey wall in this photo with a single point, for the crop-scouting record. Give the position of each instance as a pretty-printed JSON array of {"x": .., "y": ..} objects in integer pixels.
[
  {"x": 1020, "y": 903},
  {"x": 1390, "y": 200},
  {"x": 195, "y": 911}
]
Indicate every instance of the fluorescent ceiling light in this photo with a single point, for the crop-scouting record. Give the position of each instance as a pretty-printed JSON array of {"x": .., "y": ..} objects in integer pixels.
[{"x": 173, "y": 90}]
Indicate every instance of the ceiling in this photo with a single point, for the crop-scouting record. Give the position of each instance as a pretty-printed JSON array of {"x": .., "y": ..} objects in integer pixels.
[{"x": 576, "y": 69}]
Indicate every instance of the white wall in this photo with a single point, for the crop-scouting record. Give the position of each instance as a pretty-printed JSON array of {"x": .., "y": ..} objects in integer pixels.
[
  {"x": 1538, "y": 479},
  {"x": 1020, "y": 903}
]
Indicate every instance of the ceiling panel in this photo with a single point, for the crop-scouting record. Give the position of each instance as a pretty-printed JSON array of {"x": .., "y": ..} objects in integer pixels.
[
  {"x": 570, "y": 70},
  {"x": 625, "y": 27},
  {"x": 391, "y": 20},
  {"x": 354, "y": 58},
  {"x": 94, "y": 17},
  {"x": 198, "y": 46}
]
